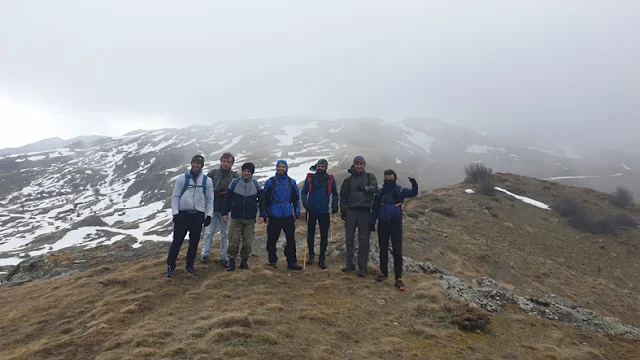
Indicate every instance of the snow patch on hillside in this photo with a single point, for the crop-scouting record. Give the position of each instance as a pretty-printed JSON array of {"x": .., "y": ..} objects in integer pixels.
[
  {"x": 481, "y": 149},
  {"x": 527, "y": 200},
  {"x": 625, "y": 166},
  {"x": 293, "y": 131}
]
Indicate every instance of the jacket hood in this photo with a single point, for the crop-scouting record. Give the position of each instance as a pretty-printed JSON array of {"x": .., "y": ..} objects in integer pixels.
[{"x": 282, "y": 162}]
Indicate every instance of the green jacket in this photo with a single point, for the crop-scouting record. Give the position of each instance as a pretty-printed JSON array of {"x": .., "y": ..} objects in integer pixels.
[
  {"x": 221, "y": 180},
  {"x": 350, "y": 198}
]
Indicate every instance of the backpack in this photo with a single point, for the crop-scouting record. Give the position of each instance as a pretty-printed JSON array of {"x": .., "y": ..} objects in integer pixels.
[
  {"x": 273, "y": 186},
  {"x": 329, "y": 183},
  {"x": 186, "y": 184},
  {"x": 236, "y": 180}
]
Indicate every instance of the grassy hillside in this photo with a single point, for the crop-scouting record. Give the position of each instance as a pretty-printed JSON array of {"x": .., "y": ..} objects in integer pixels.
[{"x": 130, "y": 310}]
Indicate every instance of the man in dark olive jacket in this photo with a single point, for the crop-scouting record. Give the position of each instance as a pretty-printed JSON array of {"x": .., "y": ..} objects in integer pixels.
[
  {"x": 356, "y": 198},
  {"x": 221, "y": 179}
]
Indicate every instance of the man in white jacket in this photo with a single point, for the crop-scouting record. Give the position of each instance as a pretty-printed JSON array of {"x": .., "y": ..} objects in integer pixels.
[{"x": 192, "y": 208}]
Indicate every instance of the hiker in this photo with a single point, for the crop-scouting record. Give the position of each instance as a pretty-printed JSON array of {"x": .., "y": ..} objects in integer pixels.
[
  {"x": 192, "y": 207},
  {"x": 221, "y": 178},
  {"x": 282, "y": 197},
  {"x": 244, "y": 199},
  {"x": 356, "y": 197},
  {"x": 387, "y": 209},
  {"x": 318, "y": 187}
]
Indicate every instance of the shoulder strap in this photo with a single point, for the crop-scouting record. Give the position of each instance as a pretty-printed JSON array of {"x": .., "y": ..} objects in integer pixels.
[
  {"x": 204, "y": 184},
  {"x": 273, "y": 186},
  {"x": 186, "y": 183},
  {"x": 292, "y": 189},
  {"x": 330, "y": 184},
  {"x": 255, "y": 182},
  {"x": 396, "y": 196},
  {"x": 310, "y": 182},
  {"x": 234, "y": 183}
]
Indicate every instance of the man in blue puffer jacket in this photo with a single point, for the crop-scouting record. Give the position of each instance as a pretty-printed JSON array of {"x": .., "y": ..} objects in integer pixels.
[
  {"x": 282, "y": 197},
  {"x": 387, "y": 209},
  {"x": 318, "y": 187}
]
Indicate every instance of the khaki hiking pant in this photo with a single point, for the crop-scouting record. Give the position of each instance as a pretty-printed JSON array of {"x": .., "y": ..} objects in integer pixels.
[{"x": 241, "y": 230}]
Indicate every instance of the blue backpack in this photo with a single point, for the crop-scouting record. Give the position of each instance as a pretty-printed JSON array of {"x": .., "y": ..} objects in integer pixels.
[
  {"x": 236, "y": 180},
  {"x": 186, "y": 184}
]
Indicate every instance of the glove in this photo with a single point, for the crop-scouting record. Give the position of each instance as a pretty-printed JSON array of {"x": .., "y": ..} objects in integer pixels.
[
  {"x": 361, "y": 188},
  {"x": 306, "y": 205},
  {"x": 334, "y": 208},
  {"x": 372, "y": 227},
  {"x": 207, "y": 221},
  {"x": 412, "y": 181},
  {"x": 343, "y": 215}
]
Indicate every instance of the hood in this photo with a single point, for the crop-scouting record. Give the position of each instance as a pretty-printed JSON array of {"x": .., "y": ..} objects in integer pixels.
[
  {"x": 352, "y": 171},
  {"x": 282, "y": 162}
]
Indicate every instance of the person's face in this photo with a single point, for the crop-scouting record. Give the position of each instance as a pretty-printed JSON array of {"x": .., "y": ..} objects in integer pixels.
[
  {"x": 390, "y": 177},
  {"x": 196, "y": 166},
  {"x": 282, "y": 169},
  {"x": 246, "y": 174},
  {"x": 226, "y": 163},
  {"x": 320, "y": 168},
  {"x": 359, "y": 167}
]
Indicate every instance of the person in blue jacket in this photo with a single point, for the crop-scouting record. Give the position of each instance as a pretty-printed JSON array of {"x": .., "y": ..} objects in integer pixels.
[
  {"x": 387, "y": 209},
  {"x": 315, "y": 198},
  {"x": 282, "y": 198}
]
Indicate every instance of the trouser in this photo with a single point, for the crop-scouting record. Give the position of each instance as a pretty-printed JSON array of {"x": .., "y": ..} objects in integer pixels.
[
  {"x": 393, "y": 230},
  {"x": 357, "y": 218},
  {"x": 186, "y": 222},
  {"x": 241, "y": 230},
  {"x": 324, "y": 221},
  {"x": 209, "y": 231},
  {"x": 274, "y": 227}
]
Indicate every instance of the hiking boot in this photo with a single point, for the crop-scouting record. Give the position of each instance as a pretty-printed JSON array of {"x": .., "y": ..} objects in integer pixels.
[
  {"x": 232, "y": 265},
  {"x": 310, "y": 260},
  {"x": 225, "y": 263},
  {"x": 170, "y": 270},
  {"x": 191, "y": 270},
  {"x": 400, "y": 284},
  {"x": 349, "y": 268},
  {"x": 362, "y": 273},
  {"x": 204, "y": 260},
  {"x": 381, "y": 278},
  {"x": 244, "y": 265},
  {"x": 322, "y": 264},
  {"x": 273, "y": 264},
  {"x": 294, "y": 266}
]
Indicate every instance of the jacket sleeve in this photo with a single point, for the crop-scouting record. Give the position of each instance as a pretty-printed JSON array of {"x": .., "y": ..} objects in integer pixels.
[
  {"x": 344, "y": 195},
  {"x": 373, "y": 187},
  {"x": 227, "y": 201},
  {"x": 334, "y": 192},
  {"x": 304, "y": 191},
  {"x": 296, "y": 203},
  {"x": 209, "y": 198},
  {"x": 407, "y": 193},
  {"x": 375, "y": 207},
  {"x": 177, "y": 193}
]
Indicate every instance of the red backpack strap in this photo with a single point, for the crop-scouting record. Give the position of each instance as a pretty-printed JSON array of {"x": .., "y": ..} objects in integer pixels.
[
  {"x": 310, "y": 182},
  {"x": 330, "y": 184}
]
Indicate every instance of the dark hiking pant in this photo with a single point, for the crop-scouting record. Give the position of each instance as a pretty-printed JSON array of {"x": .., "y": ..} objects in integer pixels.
[
  {"x": 186, "y": 222},
  {"x": 324, "y": 221},
  {"x": 357, "y": 218},
  {"x": 274, "y": 227},
  {"x": 393, "y": 230}
]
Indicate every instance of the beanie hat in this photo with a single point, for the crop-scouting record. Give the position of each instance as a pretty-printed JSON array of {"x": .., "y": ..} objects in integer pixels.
[
  {"x": 249, "y": 166},
  {"x": 320, "y": 162},
  {"x": 198, "y": 158},
  {"x": 359, "y": 159}
]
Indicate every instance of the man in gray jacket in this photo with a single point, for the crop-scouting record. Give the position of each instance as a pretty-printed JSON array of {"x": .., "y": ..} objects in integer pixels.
[{"x": 192, "y": 208}]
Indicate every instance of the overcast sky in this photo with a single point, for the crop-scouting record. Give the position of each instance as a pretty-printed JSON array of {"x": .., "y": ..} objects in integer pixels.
[{"x": 71, "y": 68}]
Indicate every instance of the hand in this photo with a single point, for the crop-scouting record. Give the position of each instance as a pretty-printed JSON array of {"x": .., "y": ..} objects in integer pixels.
[
  {"x": 334, "y": 208},
  {"x": 372, "y": 227},
  {"x": 343, "y": 215},
  {"x": 225, "y": 218},
  {"x": 297, "y": 217},
  {"x": 306, "y": 205},
  {"x": 412, "y": 181},
  {"x": 175, "y": 218},
  {"x": 260, "y": 220},
  {"x": 266, "y": 220},
  {"x": 207, "y": 221}
]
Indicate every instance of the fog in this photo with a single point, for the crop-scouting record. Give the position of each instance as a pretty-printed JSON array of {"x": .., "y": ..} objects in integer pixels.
[{"x": 565, "y": 68}]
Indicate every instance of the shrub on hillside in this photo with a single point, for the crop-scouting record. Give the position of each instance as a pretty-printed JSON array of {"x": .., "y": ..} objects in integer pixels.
[
  {"x": 487, "y": 187},
  {"x": 568, "y": 207},
  {"x": 622, "y": 197},
  {"x": 467, "y": 317},
  {"x": 475, "y": 173}
]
